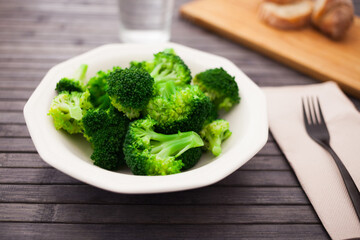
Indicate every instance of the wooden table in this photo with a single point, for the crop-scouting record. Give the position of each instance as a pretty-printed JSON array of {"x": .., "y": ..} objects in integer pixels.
[{"x": 262, "y": 199}]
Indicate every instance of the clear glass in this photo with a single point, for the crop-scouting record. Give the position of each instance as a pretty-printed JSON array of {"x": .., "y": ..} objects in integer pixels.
[{"x": 145, "y": 21}]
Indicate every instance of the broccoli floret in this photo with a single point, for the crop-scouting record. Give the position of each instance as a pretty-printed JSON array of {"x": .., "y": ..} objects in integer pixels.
[
  {"x": 75, "y": 84},
  {"x": 219, "y": 86},
  {"x": 186, "y": 109},
  {"x": 130, "y": 90},
  {"x": 97, "y": 86},
  {"x": 214, "y": 134},
  {"x": 213, "y": 114},
  {"x": 150, "y": 153},
  {"x": 67, "y": 110},
  {"x": 105, "y": 130},
  {"x": 190, "y": 158},
  {"x": 166, "y": 66}
]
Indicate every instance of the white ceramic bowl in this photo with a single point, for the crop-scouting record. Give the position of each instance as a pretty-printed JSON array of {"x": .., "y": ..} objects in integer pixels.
[{"x": 71, "y": 154}]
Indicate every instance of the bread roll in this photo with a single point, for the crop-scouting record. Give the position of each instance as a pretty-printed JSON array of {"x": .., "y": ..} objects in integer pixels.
[
  {"x": 288, "y": 16},
  {"x": 333, "y": 17},
  {"x": 281, "y": 1}
]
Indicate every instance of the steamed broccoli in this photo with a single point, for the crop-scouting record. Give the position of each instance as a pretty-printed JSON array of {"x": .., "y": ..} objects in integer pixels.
[
  {"x": 67, "y": 110},
  {"x": 105, "y": 130},
  {"x": 214, "y": 134},
  {"x": 213, "y": 114},
  {"x": 130, "y": 90},
  {"x": 166, "y": 66},
  {"x": 150, "y": 153},
  {"x": 97, "y": 86},
  {"x": 219, "y": 86},
  {"x": 75, "y": 84},
  {"x": 186, "y": 109},
  {"x": 190, "y": 157}
]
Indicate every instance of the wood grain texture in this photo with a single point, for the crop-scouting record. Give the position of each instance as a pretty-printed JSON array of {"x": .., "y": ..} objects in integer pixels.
[
  {"x": 261, "y": 200},
  {"x": 156, "y": 214},
  {"x": 307, "y": 50},
  {"x": 56, "y": 231},
  {"x": 212, "y": 195},
  {"x": 238, "y": 178}
]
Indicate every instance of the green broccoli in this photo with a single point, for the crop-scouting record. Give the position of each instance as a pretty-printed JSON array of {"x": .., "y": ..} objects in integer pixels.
[
  {"x": 213, "y": 114},
  {"x": 97, "y": 86},
  {"x": 214, "y": 134},
  {"x": 150, "y": 153},
  {"x": 130, "y": 90},
  {"x": 219, "y": 86},
  {"x": 166, "y": 66},
  {"x": 186, "y": 109},
  {"x": 75, "y": 84},
  {"x": 67, "y": 110},
  {"x": 190, "y": 157},
  {"x": 105, "y": 130}
]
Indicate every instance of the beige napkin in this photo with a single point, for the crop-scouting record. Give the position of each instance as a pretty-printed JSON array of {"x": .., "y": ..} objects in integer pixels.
[{"x": 313, "y": 166}]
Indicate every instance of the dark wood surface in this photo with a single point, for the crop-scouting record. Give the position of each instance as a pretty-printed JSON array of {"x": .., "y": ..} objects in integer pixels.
[{"x": 260, "y": 200}]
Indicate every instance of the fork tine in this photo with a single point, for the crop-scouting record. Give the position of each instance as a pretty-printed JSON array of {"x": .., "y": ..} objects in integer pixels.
[
  {"x": 304, "y": 112},
  {"x": 320, "y": 112},
  {"x": 310, "y": 111},
  {"x": 323, "y": 124},
  {"x": 316, "y": 115}
]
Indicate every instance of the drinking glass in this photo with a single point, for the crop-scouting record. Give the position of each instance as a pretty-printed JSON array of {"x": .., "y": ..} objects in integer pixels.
[{"x": 145, "y": 21}]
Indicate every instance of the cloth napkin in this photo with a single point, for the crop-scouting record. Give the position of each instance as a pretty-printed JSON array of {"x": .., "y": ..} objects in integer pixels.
[{"x": 314, "y": 166}]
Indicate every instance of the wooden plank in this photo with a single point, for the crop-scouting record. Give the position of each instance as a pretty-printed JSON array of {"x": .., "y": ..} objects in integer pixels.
[
  {"x": 35, "y": 176},
  {"x": 84, "y": 2},
  {"x": 22, "y": 54},
  {"x": 20, "y": 84},
  {"x": 21, "y": 160},
  {"x": 261, "y": 162},
  {"x": 56, "y": 231},
  {"x": 156, "y": 214},
  {"x": 266, "y": 178},
  {"x": 92, "y": 42},
  {"x": 85, "y": 194},
  {"x": 339, "y": 63},
  {"x": 41, "y": 67},
  {"x": 11, "y": 117},
  {"x": 16, "y": 145},
  {"x": 81, "y": 14},
  {"x": 16, "y": 94},
  {"x": 29, "y": 73},
  {"x": 12, "y": 105},
  {"x": 14, "y": 131},
  {"x": 238, "y": 178},
  {"x": 270, "y": 148},
  {"x": 60, "y": 8}
]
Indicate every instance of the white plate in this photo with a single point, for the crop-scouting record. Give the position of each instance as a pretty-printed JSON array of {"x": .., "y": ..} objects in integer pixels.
[{"x": 71, "y": 154}]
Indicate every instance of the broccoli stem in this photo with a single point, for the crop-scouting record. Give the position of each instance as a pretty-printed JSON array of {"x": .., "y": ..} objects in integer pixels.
[
  {"x": 215, "y": 145},
  {"x": 166, "y": 89},
  {"x": 215, "y": 142},
  {"x": 156, "y": 70},
  {"x": 160, "y": 75},
  {"x": 175, "y": 144},
  {"x": 81, "y": 73}
]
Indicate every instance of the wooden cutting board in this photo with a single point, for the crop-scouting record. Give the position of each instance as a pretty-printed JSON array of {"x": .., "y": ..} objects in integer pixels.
[{"x": 306, "y": 50}]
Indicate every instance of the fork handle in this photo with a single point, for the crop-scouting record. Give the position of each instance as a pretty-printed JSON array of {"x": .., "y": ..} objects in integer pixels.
[{"x": 349, "y": 182}]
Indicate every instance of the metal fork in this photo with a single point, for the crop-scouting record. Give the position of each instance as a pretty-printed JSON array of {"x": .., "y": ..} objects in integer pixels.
[{"x": 316, "y": 128}]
